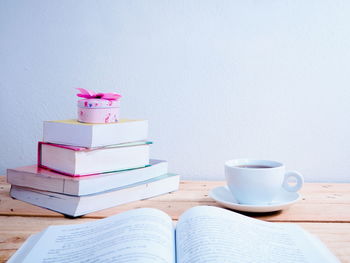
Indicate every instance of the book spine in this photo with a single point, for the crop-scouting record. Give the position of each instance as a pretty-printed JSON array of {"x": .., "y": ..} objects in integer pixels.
[
  {"x": 84, "y": 175},
  {"x": 39, "y": 154}
]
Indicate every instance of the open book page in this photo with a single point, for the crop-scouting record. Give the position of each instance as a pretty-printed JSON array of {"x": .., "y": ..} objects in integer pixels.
[
  {"x": 211, "y": 234},
  {"x": 140, "y": 235},
  {"x": 25, "y": 248},
  {"x": 323, "y": 251}
]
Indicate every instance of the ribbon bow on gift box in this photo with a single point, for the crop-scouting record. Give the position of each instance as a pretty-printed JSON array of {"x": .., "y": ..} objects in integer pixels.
[{"x": 89, "y": 94}]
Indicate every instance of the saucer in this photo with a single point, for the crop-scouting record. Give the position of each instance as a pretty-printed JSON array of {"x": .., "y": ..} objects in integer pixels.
[{"x": 223, "y": 196}]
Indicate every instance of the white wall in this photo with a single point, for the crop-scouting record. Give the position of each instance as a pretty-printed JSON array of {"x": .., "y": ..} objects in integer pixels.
[{"x": 216, "y": 79}]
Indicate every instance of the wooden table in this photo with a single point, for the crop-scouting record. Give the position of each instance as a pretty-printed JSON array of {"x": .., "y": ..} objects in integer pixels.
[{"x": 324, "y": 211}]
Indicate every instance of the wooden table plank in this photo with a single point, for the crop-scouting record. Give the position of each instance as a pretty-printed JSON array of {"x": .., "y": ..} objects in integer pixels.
[
  {"x": 320, "y": 203},
  {"x": 14, "y": 230},
  {"x": 324, "y": 211},
  {"x": 336, "y": 236}
]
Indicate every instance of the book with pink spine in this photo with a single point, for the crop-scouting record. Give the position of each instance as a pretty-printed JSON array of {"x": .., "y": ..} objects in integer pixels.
[
  {"x": 82, "y": 161},
  {"x": 43, "y": 179}
]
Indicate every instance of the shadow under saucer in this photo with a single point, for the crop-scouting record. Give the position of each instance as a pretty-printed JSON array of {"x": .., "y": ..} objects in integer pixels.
[{"x": 284, "y": 199}]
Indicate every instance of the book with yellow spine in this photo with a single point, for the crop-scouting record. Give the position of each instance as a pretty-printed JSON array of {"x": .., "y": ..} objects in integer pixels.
[{"x": 72, "y": 132}]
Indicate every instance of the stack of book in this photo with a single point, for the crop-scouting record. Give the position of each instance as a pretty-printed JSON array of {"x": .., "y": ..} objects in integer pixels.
[{"x": 85, "y": 167}]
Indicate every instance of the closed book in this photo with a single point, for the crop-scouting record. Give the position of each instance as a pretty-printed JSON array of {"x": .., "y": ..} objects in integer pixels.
[
  {"x": 74, "y": 206},
  {"x": 72, "y": 132},
  {"x": 80, "y": 161},
  {"x": 43, "y": 179}
]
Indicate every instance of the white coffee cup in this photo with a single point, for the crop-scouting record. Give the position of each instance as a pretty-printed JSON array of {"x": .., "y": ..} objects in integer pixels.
[{"x": 258, "y": 182}]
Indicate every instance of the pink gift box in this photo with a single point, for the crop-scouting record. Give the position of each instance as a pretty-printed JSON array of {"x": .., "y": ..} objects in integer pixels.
[{"x": 98, "y": 110}]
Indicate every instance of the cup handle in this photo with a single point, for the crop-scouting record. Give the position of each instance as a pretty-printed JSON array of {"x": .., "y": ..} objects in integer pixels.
[{"x": 299, "y": 181}]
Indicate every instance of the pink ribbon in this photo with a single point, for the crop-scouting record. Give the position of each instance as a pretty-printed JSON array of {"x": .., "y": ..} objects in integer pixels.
[{"x": 89, "y": 94}]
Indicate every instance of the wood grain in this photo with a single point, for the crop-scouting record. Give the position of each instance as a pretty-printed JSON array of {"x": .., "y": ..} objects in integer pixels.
[
  {"x": 319, "y": 203},
  {"x": 336, "y": 236},
  {"x": 324, "y": 210},
  {"x": 14, "y": 230}
]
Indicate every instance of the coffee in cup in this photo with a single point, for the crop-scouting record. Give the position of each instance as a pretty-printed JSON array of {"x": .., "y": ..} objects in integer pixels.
[{"x": 258, "y": 182}]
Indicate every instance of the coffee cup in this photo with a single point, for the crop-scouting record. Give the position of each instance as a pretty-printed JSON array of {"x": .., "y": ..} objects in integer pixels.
[{"x": 258, "y": 182}]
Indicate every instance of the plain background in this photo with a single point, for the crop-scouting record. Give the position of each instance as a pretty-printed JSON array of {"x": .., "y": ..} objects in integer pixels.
[{"x": 217, "y": 80}]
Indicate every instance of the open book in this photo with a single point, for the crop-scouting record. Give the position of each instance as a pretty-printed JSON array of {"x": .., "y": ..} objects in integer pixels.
[{"x": 202, "y": 234}]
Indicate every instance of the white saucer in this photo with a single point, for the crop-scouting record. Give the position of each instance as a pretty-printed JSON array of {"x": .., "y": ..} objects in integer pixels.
[{"x": 223, "y": 196}]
